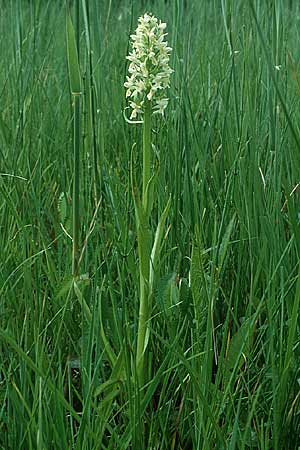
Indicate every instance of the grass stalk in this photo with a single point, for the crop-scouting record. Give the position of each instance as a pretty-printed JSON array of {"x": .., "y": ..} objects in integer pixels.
[
  {"x": 76, "y": 185},
  {"x": 75, "y": 85}
]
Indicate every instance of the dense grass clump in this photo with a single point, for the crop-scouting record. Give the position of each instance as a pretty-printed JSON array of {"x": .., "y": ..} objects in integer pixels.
[{"x": 222, "y": 359}]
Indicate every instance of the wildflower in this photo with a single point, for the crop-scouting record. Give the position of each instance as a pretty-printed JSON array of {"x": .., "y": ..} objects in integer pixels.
[{"x": 149, "y": 71}]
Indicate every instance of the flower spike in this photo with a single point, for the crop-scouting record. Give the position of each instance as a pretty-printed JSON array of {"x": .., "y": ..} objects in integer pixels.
[{"x": 149, "y": 70}]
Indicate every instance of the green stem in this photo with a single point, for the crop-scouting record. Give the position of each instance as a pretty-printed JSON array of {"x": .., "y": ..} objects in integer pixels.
[
  {"x": 146, "y": 152},
  {"x": 142, "y": 329},
  {"x": 77, "y": 26},
  {"x": 144, "y": 242},
  {"x": 76, "y": 184}
]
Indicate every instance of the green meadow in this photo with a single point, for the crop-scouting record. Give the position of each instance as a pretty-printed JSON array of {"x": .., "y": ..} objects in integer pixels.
[{"x": 214, "y": 253}]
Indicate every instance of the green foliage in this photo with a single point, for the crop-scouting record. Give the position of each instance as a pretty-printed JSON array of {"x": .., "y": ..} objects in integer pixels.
[{"x": 222, "y": 361}]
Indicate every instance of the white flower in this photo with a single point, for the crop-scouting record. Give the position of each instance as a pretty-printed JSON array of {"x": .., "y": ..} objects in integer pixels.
[
  {"x": 161, "y": 105},
  {"x": 149, "y": 71}
]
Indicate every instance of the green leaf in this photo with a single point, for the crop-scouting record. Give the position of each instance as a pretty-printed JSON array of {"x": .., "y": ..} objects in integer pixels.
[
  {"x": 198, "y": 281},
  {"x": 185, "y": 297},
  {"x": 155, "y": 253},
  {"x": 65, "y": 287},
  {"x": 238, "y": 349},
  {"x": 64, "y": 210},
  {"x": 150, "y": 193},
  {"x": 225, "y": 243},
  {"x": 144, "y": 241},
  {"x": 110, "y": 388},
  {"x": 196, "y": 275},
  {"x": 5, "y": 131},
  {"x": 164, "y": 292},
  {"x": 81, "y": 299},
  {"x": 107, "y": 347}
]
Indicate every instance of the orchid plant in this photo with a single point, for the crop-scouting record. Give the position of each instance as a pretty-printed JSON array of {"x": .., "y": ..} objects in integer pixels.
[{"x": 146, "y": 85}]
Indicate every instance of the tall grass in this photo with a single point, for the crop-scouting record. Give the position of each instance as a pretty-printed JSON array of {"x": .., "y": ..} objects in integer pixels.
[{"x": 223, "y": 355}]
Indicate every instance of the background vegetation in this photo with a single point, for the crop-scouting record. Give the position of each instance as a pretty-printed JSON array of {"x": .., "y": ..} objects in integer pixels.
[{"x": 223, "y": 359}]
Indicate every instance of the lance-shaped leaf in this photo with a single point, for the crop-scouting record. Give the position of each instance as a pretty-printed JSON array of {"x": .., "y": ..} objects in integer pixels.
[{"x": 155, "y": 253}]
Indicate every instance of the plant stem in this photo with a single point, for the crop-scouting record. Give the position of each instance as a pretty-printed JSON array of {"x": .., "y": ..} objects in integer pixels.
[
  {"x": 76, "y": 184},
  {"x": 142, "y": 328},
  {"x": 144, "y": 241},
  {"x": 146, "y": 153}
]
